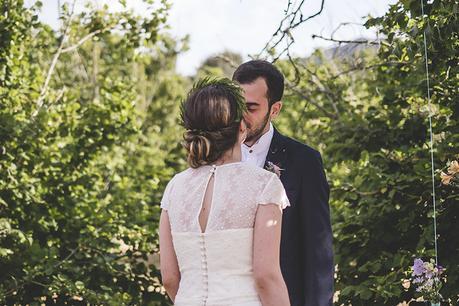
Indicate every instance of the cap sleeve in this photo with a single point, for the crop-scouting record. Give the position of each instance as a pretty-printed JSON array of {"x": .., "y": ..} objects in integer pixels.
[
  {"x": 273, "y": 193},
  {"x": 165, "y": 201}
]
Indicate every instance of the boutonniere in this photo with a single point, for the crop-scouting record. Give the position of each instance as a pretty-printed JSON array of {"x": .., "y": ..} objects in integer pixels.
[{"x": 273, "y": 168}]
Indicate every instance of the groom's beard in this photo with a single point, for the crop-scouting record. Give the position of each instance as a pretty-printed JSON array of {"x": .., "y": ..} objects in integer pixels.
[{"x": 255, "y": 132}]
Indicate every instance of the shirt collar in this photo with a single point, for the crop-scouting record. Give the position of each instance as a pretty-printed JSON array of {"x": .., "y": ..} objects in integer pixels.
[{"x": 263, "y": 143}]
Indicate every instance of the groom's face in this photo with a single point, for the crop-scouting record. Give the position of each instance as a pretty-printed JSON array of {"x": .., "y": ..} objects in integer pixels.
[{"x": 258, "y": 112}]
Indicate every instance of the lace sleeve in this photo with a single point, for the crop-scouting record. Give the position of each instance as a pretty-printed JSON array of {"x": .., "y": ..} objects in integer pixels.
[
  {"x": 165, "y": 201},
  {"x": 273, "y": 193}
]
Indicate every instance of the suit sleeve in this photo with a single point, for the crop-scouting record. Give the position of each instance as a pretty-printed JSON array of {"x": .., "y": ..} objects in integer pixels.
[{"x": 317, "y": 234}]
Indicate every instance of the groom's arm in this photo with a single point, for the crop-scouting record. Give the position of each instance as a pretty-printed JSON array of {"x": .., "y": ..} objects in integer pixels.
[{"x": 317, "y": 234}]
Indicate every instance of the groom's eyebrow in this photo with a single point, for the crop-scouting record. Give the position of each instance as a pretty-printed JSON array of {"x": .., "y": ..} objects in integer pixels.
[{"x": 251, "y": 104}]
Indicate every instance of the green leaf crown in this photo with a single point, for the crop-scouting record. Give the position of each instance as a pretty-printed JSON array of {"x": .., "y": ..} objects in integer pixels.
[{"x": 230, "y": 87}]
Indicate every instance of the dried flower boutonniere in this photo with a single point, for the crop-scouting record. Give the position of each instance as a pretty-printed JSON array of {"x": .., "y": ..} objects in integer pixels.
[
  {"x": 452, "y": 176},
  {"x": 273, "y": 168}
]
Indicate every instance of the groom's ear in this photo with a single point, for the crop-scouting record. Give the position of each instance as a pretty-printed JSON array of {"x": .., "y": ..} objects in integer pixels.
[{"x": 275, "y": 109}]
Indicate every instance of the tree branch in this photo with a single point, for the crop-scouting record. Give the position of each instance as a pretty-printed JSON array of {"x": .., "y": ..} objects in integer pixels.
[
  {"x": 82, "y": 41},
  {"x": 342, "y": 24},
  {"x": 228, "y": 60},
  {"x": 361, "y": 41},
  {"x": 356, "y": 68},
  {"x": 286, "y": 32},
  {"x": 56, "y": 56},
  {"x": 310, "y": 17},
  {"x": 44, "y": 88},
  {"x": 67, "y": 257},
  {"x": 311, "y": 101}
]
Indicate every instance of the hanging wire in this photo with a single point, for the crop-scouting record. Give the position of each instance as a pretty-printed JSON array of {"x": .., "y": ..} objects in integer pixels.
[{"x": 431, "y": 137}]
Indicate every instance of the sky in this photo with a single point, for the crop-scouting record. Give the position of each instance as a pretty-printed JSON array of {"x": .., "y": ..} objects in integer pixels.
[{"x": 244, "y": 26}]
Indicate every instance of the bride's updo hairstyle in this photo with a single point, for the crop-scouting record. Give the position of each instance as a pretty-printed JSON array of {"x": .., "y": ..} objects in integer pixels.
[{"x": 211, "y": 115}]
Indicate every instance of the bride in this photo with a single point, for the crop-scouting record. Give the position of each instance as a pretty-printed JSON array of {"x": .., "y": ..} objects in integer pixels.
[{"x": 220, "y": 224}]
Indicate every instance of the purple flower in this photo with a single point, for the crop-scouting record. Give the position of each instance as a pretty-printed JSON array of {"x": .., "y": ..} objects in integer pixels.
[
  {"x": 429, "y": 274},
  {"x": 429, "y": 284},
  {"x": 426, "y": 278},
  {"x": 440, "y": 270},
  {"x": 418, "y": 267}
]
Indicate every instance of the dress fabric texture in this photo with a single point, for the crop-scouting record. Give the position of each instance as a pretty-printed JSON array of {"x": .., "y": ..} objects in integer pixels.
[{"x": 216, "y": 266}]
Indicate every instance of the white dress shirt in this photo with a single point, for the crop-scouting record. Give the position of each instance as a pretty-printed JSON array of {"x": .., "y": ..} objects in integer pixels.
[{"x": 256, "y": 154}]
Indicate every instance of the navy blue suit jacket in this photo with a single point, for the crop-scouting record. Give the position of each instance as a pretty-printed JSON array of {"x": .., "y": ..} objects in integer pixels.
[{"x": 306, "y": 243}]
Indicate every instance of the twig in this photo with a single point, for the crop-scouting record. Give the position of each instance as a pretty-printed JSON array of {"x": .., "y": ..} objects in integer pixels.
[
  {"x": 322, "y": 88},
  {"x": 67, "y": 257},
  {"x": 81, "y": 41},
  {"x": 38, "y": 283},
  {"x": 362, "y": 41},
  {"x": 343, "y": 24},
  {"x": 295, "y": 67},
  {"x": 310, "y": 17},
  {"x": 286, "y": 32},
  {"x": 286, "y": 49},
  {"x": 391, "y": 63},
  {"x": 311, "y": 101},
  {"x": 83, "y": 64},
  {"x": 56, "y": 56},
  {"x": 279, "y": 29},
  {"x": 44, "y": 88},
  {"x": 227, "y": 60}
]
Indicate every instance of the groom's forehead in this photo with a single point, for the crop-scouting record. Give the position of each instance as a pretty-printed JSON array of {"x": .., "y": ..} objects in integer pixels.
[
  {"x": 256, "y": 104},
  {"x": 256, "y": 101}
]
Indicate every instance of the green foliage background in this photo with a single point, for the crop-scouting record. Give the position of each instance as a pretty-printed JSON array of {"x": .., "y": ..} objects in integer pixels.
[
  {"x": 368, "y": 113},
  {"x": 89, "y": 137},
  {"x": 85, "y": 159}
]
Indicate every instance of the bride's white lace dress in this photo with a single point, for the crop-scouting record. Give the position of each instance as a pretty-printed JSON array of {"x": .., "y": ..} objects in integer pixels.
[{"x": 216, "y": 266}]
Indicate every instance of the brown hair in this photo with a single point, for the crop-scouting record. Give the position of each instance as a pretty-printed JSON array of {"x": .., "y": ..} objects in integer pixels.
[
  {"x": 254, "y": 69},
  {"x": 211, "y": 115}
]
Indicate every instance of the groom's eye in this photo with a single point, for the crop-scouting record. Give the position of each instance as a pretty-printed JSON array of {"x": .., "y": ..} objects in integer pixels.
[{"x": 251, "y": 107}]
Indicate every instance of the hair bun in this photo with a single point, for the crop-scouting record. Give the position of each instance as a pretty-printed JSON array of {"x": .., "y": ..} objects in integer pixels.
[
  {"x": 198, "y": 144},
  {"x": 211, "y": 115}
]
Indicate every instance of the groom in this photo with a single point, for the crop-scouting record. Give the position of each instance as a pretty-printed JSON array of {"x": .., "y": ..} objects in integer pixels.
[{"x": 306, "y": 244}]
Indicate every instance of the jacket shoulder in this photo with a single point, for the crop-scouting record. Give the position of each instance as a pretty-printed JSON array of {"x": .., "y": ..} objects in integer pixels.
[{"x": 301, "y": 150}]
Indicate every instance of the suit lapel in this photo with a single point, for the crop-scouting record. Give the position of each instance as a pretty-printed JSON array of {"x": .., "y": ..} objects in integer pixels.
[{"x": 277, "y": 150}]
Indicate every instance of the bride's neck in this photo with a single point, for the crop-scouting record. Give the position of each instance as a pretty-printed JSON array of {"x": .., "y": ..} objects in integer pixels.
[{"x": 233, "y": 155}]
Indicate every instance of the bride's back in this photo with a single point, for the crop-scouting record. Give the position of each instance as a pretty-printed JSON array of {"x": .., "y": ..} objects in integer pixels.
[
  {"x": 216, "y": 265},
  {"x": 211, "y": 227},
  {"x": 237, "y": 189}
]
